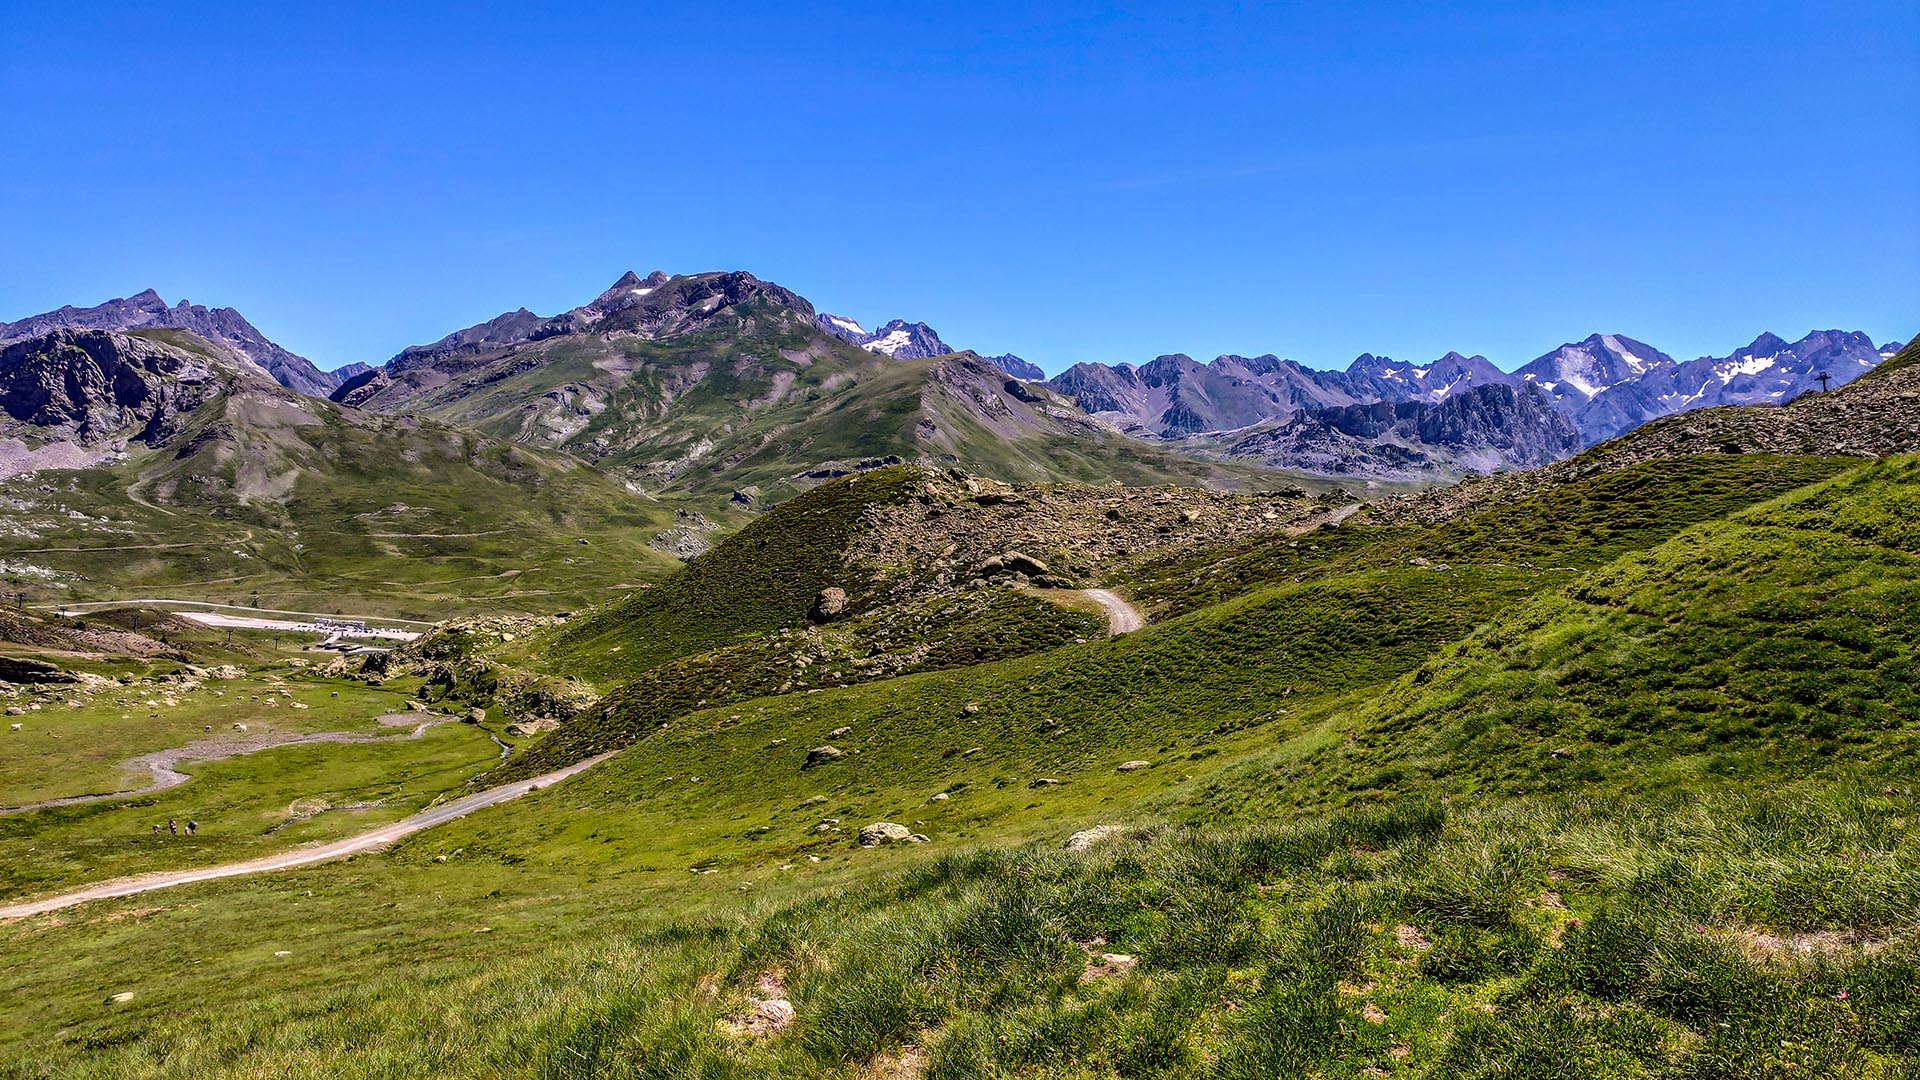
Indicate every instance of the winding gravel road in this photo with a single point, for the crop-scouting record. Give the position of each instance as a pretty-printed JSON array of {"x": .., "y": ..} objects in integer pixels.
[
  {"x": 161, "y": 764},
  {"x": 1122, "y": 617},
  {"x": 353, "y": 845}
]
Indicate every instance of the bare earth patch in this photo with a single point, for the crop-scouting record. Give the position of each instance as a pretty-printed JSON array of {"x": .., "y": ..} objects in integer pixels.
[{"x": 768, "y": 1010}]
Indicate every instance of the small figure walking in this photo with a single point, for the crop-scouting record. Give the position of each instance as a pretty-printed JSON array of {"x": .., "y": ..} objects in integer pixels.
[
  {"x": 173, "y": 827},
  {"x": 191, "y": 826},
  {"x": 156, "y": 830}
]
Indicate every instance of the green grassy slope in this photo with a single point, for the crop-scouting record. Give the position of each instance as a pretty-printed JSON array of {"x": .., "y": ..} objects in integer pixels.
[
  {"x": 764, "y": 577},
  {"x": 1780, "y": 641},
  {"x": 1645, "y": 817},
  {"x": 1571, "y": 526},
  {"x": 756, "y": 397},
  {"x": 1905, "y": 358},
  {"x": 315, "y": 508}
]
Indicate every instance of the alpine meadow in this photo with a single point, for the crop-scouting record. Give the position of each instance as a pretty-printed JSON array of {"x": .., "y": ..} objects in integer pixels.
[{"x": 696, "y": 683}]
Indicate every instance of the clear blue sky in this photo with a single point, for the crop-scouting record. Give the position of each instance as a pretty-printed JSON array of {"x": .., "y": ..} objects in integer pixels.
[{"x": 1065, "y": 181}]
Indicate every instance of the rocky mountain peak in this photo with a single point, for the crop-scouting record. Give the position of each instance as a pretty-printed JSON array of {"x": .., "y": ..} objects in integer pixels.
[
  {"x": 223, "y": 326},
  {"x": 898, "y": 338}
]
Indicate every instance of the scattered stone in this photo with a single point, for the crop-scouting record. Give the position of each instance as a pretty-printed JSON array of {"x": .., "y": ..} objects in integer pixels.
[
  {"x": 1130, "y": 766},
  {"x": 14, "y": 727},
  {"x": 1044, "y": 781},
  {"x": 121, "y": 998},
  {"x": 1100, "y": 965},
  {"x": 886, "y": 832},
  {"x": 226, "y": 672},
  {"x": 1086, "y": 838},
  {"x": 416, "y": 706},
  {"x": 938, "y": 796},
  {"x": 239, "y": 727},
  {"x": 971, "y": 708},
  {"x": 475, "y": 715},
  {"x": 821, "y": 754},
  {"x": 16, "y": 710},
  {"x": 839, "y": 731},
  {"x": 813, "y": 800}
]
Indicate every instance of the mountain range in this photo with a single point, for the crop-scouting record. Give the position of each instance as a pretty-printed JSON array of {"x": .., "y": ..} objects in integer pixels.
[
  {"x": 722, "y": 384},
  {"x": 1604, "y": 384}
]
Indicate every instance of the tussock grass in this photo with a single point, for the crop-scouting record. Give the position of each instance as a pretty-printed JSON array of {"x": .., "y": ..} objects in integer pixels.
[{"x": 1593, "y": 938}]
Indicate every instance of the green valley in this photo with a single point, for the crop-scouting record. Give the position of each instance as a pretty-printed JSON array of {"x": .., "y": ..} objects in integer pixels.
[{"x": 1612, "y": 777}]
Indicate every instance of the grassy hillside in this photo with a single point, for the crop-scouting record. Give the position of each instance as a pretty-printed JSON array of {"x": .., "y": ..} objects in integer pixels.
[
  {"x": 1905, "y": 358},
  {"x": 1577, "y": 793},
  {"x": 763, "y": 578},
  {"x": 1556, "y": 529},
  {"x": 313, "y": 508},
  {"x": 751, "y": 396}
]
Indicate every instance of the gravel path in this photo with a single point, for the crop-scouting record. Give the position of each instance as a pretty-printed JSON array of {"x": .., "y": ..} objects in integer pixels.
[
  {"x": 354, "y": 845},
  {"x": 160, "y": 763},
  {"x": 1122, "y": 617}
]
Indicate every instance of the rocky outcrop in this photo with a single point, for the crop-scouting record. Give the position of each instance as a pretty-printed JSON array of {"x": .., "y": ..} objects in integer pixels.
[
  {"x": 91, "y": 386},
  {"x": 21, "y": 669}
]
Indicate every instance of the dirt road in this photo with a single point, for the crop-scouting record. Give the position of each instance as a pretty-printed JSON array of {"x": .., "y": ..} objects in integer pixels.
[
  {"x": 1122, "y": 617},
  {"x": 353, "y": 845},
  {"x": 160, "y": 763}
]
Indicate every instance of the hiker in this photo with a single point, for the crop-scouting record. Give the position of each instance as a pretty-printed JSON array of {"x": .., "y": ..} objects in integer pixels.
[
  {"x": 191, "y": 825},
  {"x": 173, "y": 827},
  {"x": 156, "y": 830}
]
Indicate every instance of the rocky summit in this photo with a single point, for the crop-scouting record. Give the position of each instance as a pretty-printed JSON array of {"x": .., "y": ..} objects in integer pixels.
[{"x": 223, "y": 326}]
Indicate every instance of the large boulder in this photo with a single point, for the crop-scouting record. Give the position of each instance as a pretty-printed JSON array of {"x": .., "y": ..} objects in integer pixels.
[
  {"x": 887, "y": 832},
  {"x": 21, "y": 669},
  {"x": 830, "y": 604},
  {"x": 822, "y": 754},
  {"x": 1016, "y": 563}
]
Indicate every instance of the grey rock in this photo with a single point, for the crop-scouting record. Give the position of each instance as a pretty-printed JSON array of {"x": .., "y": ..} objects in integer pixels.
[{"x": 887, "y": 832}]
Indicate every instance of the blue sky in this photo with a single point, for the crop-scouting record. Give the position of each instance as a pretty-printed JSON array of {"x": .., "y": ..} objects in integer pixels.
[{"x": 1069, "y": 182}]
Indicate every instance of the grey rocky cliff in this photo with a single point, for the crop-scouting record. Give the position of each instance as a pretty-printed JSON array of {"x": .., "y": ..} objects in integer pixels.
[
  {"x": 223, "y": 326},
  {"x": 90, "y": 386}
]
